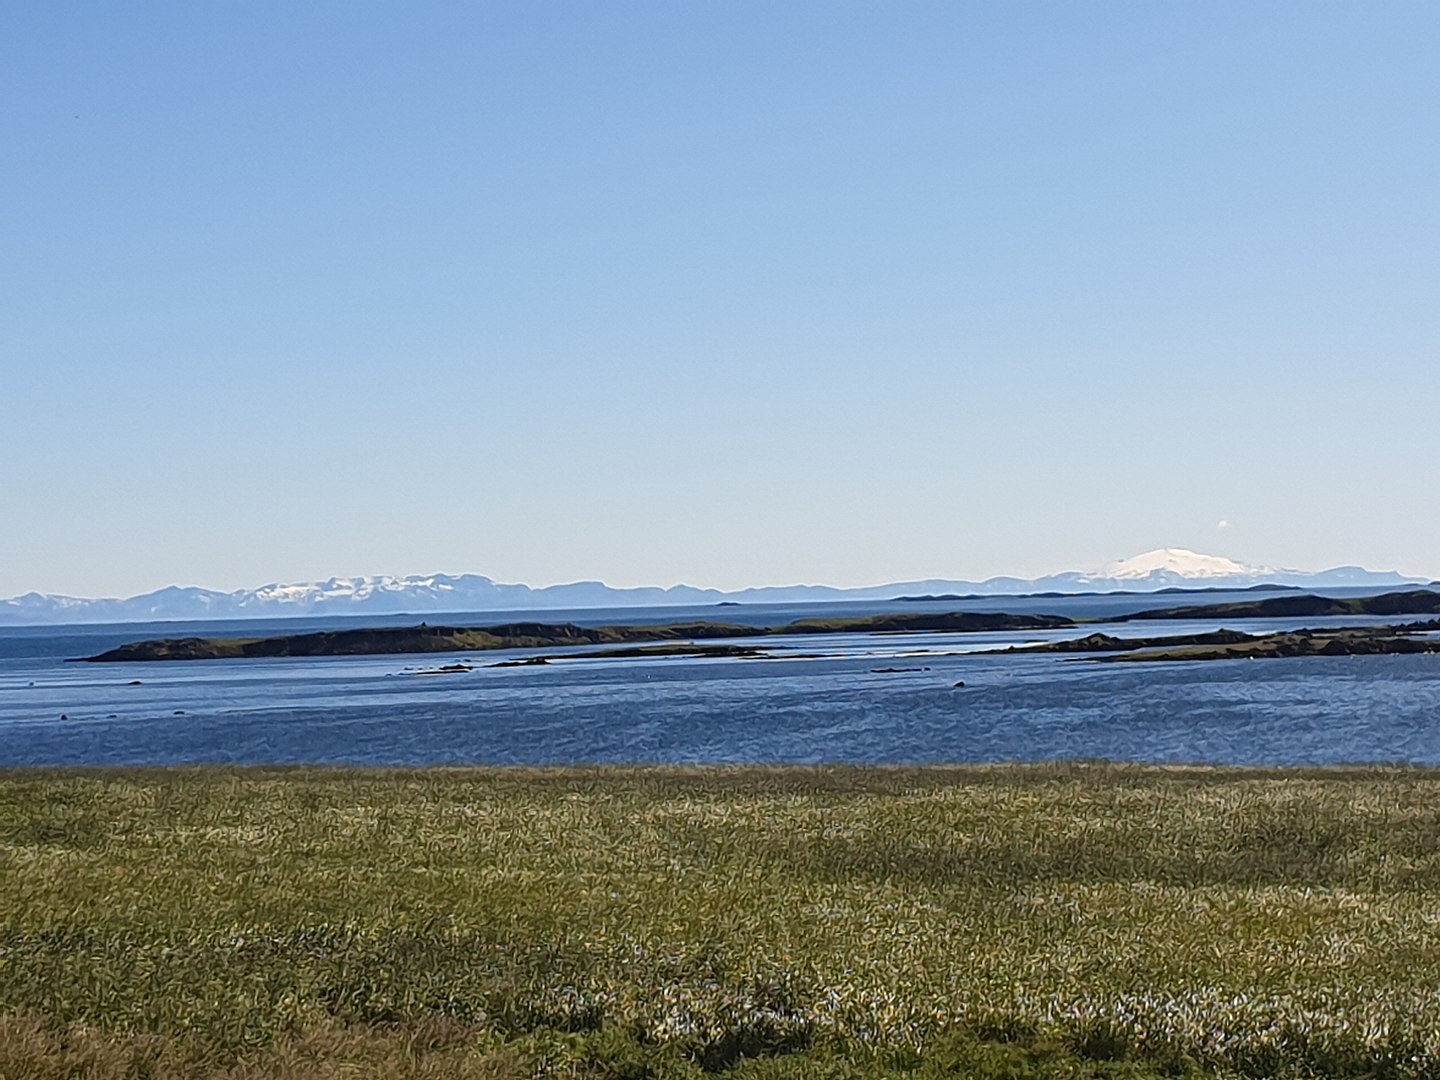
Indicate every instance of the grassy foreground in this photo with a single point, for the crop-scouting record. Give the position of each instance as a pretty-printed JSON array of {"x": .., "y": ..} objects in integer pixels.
[{"x": 1076, "y": 921}]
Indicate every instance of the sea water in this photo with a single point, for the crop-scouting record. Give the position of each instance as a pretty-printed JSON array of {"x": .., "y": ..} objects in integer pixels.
[{"x": 860, "y": 698}]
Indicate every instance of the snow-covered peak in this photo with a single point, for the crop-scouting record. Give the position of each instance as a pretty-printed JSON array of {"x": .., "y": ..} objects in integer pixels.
[
  {"x": 1179, "y": 562},
  {"x": 358, "y": 589}
]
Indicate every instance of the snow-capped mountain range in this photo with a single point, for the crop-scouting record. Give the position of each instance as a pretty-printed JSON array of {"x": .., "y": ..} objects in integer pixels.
[{"x": 433, "y": 593}]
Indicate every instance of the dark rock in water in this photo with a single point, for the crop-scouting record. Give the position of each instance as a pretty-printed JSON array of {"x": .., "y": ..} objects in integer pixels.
[
  {"x": 528, "y": 661},
  {"x": 960, "y": 685},
  {"x": 178, "y": 712},
  {"x": 134, "y": 682}
]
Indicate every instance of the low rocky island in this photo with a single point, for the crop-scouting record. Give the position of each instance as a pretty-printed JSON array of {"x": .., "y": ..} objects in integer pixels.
[
  {"x": 1236, "y": 645},
  {"x": 648, "y": 652},
  {"x": 1303, "y": 605},
  {"x": 1104, "y": 643},
  {"x": 528, "y": 635}
]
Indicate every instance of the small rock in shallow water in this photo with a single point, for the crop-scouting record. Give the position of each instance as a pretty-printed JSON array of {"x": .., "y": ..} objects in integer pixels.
[{"x": 960, "y": 685}]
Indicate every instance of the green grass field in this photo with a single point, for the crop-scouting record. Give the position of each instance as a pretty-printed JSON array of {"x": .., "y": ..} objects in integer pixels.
[{"x": 1069, "y": 921}]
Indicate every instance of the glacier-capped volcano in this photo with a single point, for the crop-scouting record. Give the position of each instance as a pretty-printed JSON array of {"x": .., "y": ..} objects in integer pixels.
[{"x": 1181, "y": 563}]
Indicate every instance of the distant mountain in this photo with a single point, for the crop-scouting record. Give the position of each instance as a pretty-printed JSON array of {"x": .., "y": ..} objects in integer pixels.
[
  {"x": 1190, "y": 565},
  {"x": 1165, "y": 568}
]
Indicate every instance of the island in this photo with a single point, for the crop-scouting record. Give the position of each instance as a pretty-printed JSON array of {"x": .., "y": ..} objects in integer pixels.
[
  {"x": 534, "y": 635},
  {"x": 1235, "y": 645},
  {"x": 1304, "y": 605}
]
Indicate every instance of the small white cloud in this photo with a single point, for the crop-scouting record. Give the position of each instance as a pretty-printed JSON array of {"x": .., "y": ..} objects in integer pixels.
[{"x": 1222, "y": 524}]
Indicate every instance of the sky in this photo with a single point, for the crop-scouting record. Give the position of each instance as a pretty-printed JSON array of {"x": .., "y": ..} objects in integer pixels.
[{"x": 727, "y": 294}]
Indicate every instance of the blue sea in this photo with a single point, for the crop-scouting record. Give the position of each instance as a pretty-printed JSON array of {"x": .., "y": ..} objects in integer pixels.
[{"x": 829, "y": 700}]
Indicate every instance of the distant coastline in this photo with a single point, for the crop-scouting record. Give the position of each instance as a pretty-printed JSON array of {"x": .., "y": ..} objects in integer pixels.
[{"x": 930, "y": 598}]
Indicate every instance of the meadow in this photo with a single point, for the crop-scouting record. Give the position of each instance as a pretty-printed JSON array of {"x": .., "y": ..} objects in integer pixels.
[{"x": 1038, "y": 921}]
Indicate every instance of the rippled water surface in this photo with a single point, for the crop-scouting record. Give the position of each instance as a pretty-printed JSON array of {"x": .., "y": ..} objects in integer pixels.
[{"x": 831, "y": 707}]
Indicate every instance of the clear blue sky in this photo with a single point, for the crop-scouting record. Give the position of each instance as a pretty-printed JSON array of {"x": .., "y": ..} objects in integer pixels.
[{"x": 724, "y": 293}]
